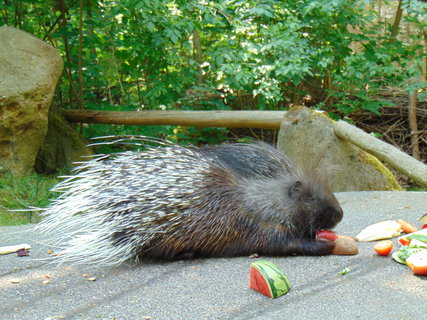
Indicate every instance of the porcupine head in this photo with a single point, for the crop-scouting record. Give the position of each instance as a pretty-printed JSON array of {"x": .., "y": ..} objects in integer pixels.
[
  {"x": 286, "y": 205},
  {"x": 176, "y": 202}
]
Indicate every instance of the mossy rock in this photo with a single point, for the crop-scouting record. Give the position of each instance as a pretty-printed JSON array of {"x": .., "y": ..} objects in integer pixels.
[
  {"x": 29, "y": 71},
  {"x": 309, "y": 139}
]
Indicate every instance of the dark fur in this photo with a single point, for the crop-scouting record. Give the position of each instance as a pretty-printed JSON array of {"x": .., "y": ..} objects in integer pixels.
[
  {"x": 255, "y": 201},
  {"x": 175, "y": 202}
]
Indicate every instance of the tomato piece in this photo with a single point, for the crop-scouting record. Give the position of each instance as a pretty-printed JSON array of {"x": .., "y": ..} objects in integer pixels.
[
  {"x": 326, "y": 234},
  {"x": 383, "y": 248},
  {"x": 418, "y": 262},
  {"x": 404, "y": 241},
  {"x": 424, "y": 226}
]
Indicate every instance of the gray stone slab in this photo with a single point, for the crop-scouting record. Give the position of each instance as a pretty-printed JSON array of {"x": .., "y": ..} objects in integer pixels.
[{"x": 218, "y": 288}]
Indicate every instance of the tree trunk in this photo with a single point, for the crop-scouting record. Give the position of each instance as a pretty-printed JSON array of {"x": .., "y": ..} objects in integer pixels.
[
  {"x": 198, "y": 56},
  {"x": 413, "y": 125},
  {"x": 397, "y": 19},
  {"x": 80, "y": 56}
]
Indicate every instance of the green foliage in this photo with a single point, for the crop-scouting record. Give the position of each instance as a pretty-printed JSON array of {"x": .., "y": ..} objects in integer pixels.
[
  {"x": 281, "y": 45},
  {"x": 23, "y": 193},
  {"x": 145, "y": 54},
  {"x": 207, "y": 55},
  {"x": 382, "y": 62}
]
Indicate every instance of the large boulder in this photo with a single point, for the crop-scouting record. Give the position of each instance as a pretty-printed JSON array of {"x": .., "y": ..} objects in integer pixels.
[
  {"x": 308, "y": 138},
  {"x": 30, "y": 69}
]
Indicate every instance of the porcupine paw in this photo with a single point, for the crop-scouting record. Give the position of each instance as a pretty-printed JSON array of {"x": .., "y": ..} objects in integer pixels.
[{"x": 319, "y": 247}]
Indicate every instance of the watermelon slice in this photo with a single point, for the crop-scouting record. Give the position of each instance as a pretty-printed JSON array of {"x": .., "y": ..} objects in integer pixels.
[{"x": 268, "y": 279}]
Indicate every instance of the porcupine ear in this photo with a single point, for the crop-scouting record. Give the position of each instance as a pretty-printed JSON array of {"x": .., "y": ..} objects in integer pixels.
[{"x": 295, "y": 189}]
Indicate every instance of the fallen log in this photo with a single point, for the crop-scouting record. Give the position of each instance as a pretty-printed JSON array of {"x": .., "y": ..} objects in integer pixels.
[
  {"x": 227, "y": 119},
  {"x": 397, "y": 159}
]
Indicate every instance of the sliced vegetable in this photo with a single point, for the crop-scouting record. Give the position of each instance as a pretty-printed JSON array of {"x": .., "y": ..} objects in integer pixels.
[
  {"x": 417, "y": 244},
  {"x": 418, "y": 236},
  {"x": 268, "y": 279},
  {"x": 424, "y": 226},
  {"x": 406, "y": 226},
  {"x": 395, "y": 255},
  {"x": 404, "y": 241},
  {"x": 326, "y": 234},
  {"x": 383, "y": 248},
  {"x": 418, "y": 262},
  {"x": 344, "y": 271},
  {"x": 379, "y": 231},
  {"x": 405, "y": 252},
  {"x": 14, "y": 248}
]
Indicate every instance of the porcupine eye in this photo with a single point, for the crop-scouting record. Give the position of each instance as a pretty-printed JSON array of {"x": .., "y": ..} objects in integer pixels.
[{"x": 295, "y": 190}]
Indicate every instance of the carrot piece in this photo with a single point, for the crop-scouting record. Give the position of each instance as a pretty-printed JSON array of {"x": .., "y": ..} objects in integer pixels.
[
  {"x": 406, "y": 226},
  {"x": 383, "y": 248}
]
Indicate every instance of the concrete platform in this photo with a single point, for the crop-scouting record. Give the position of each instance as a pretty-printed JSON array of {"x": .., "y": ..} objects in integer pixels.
[{"x": 375, "y": 288}]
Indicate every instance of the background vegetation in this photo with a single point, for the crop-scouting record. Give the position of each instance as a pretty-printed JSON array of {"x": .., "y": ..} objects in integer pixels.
[
  {"x": 21, "y": 193},
  {"x": 229, "y": 54},
  {"x": 200, "y": 55}
]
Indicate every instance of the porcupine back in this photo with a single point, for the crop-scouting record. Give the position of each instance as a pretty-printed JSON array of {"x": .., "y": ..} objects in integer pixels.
[{"x": 178, "y": 202}]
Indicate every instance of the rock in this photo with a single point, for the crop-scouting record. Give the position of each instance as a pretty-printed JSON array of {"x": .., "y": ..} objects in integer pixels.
[
  {"x": 30, "y": 69},
  {"x": 309, "y": 139},
  {"x": 62, "y": 145}
]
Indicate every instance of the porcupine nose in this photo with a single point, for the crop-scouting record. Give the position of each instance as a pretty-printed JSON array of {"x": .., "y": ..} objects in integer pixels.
[
  {"x": 333, "y": 215},
  {"x": 337, "y": 214}
]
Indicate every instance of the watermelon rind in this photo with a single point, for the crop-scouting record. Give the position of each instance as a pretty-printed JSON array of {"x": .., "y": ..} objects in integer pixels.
[{"x": 277, "y": 280}]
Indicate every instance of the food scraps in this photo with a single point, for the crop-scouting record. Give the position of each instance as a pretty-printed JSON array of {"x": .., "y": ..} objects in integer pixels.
[
  {"x": 268, "y": 279},
  {"x": 344, "y": 271},
  {"x": 23, "y": 252},
  {"x": 406, "y": 226},
  {"x": 418, "y": 262},
  {"x": 413, "y": 252},
  {"x": 383, "y": 248},
  {"x": 326, "y": 234},
  {"x": 345, "y": 246},
  {"x": 413, "y": 249},
  {"x": 14, "y": 248},
  {"x": 379, "y": 231}
]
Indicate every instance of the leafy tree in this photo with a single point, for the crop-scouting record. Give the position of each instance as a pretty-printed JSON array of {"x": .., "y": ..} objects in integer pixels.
[{"x": 144, "y": 54}]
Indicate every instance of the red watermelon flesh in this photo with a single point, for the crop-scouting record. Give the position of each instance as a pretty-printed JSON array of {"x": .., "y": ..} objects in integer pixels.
[
  {"x": 258, "y": 283},
  {"x": 327, "y": 235}
]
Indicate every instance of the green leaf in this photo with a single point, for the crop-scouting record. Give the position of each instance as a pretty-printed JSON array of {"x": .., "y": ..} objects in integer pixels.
[{"x": 150, "y": 26}]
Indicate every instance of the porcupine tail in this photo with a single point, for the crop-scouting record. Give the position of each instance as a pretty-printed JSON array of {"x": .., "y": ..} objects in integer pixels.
[{"x": 113, "y": 206}]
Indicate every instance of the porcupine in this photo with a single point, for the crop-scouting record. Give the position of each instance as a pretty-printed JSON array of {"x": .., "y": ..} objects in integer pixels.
[{"x": 174, "y": 202}]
